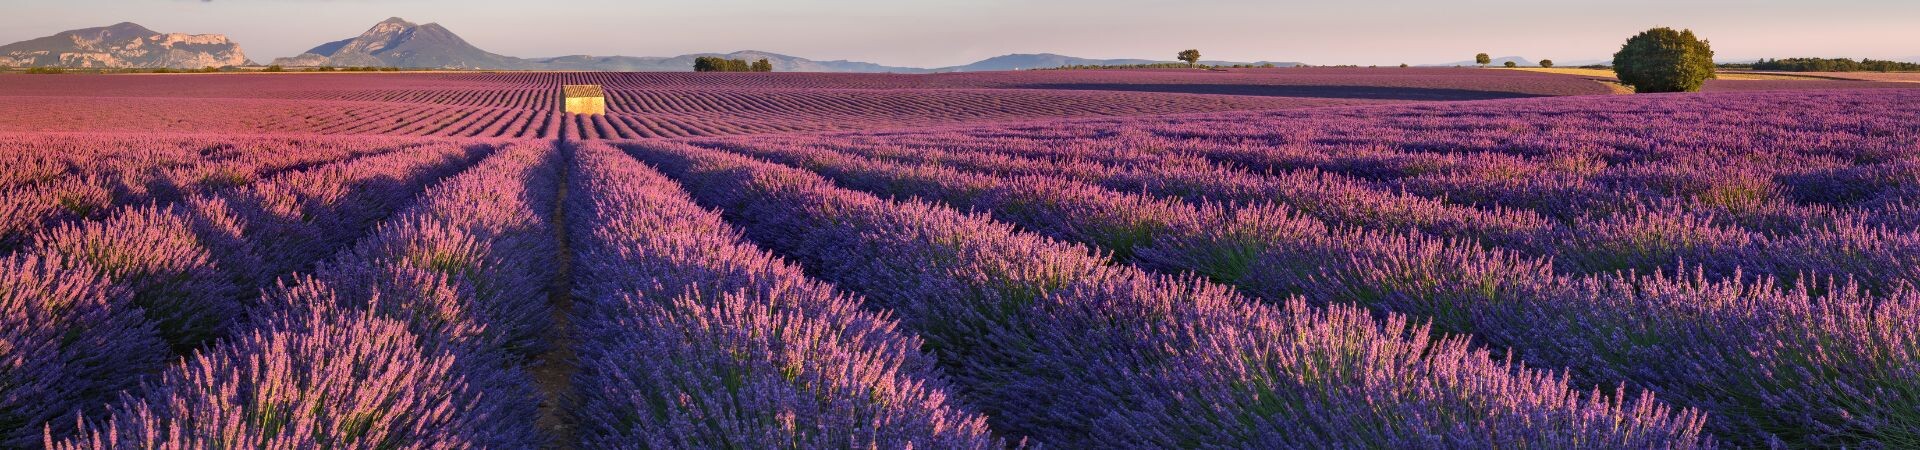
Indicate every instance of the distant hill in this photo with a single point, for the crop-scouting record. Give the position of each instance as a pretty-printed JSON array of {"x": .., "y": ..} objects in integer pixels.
[
  {"x": 398, "y": 43},
  {"x": 124, "y": 45},
  {"x": 683, "y": 63},
  {"x": 1497, "y": 62},
  {"x": 1023, "y": 61}
]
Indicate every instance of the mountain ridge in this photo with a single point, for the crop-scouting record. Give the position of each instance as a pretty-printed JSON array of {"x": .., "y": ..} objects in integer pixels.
[
  {"x": 396, "y": 42},
  {"x": 1021, "y": 61},
  {"x": 1497, "y": 62},
  {"x": 682, "y": 63},
  {"x": 124, "y": 45}
]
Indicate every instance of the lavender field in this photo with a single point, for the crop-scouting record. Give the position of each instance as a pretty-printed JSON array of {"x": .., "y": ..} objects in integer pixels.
[{"x": 1257, "y": 258}]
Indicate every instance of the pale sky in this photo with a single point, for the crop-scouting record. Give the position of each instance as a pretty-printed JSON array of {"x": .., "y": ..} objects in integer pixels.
[{"x": 925, "y": 33}]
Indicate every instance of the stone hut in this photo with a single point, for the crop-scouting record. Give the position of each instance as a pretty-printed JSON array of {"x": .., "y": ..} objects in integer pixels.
[{"x": 584, "y": 98}]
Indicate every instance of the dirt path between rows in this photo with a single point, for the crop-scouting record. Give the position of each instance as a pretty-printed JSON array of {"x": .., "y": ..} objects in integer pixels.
[{"x": 553, "y": 370}]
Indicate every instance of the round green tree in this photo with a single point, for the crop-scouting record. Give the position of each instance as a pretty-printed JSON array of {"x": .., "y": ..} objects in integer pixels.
[
  {"x": 1511, "y": 64},
  {"x": 1547, "y": 63},
  {"x": 1482, "y": 59},
  {"x": 1190, "y": 56},
  {"x": 1664, "y": 60}
]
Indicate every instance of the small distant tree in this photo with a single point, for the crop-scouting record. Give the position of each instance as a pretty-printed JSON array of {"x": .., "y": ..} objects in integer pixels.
[
  {"x": 1191, "y": 56},
  {"x": 275, "y": 68},
  {"x": 1548, "y": 63},
  {"x": 1511, "y": 64},
  {"x": 1482, "y": 59},
  {"x": 762, "y": 65},
  {"x": 1403, "y": 65},
  {"x": 1664, "y": 60}
]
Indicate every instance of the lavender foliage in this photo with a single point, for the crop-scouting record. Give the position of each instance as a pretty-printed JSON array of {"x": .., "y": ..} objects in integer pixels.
[
  {"x": 692, "y": 339},
  {"x": 1565, "y": 231},
  {"x": 69, "y": 340},
  {"x": 1036, "y": 331},
  {"x": 370, "y": 352},
  {"x": 324, "y": 380}
]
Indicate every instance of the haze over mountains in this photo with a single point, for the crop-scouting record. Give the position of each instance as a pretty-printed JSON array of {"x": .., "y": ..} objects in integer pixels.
[
  {"x": 396, "y": 42},
  {"x": 1049, "y": 60},
  {"x": 1500, "y": 61}
]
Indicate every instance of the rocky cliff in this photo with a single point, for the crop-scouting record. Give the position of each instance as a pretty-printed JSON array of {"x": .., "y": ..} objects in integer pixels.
[{"x": 124, "y": 45}]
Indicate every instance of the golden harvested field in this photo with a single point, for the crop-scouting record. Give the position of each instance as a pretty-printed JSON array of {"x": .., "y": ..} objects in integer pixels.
[
  {"x": 1602, "y": 76},
  {"x": 1601, "y": 73}
]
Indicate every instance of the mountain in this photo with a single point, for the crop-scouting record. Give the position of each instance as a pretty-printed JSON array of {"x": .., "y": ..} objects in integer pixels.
[
  {"x": 1022, "y": 61},
  {"x": 124, "y": 45},
  {"x": 398, "y": 43},
  {"x": 682, "y": 63},
  {"x": 1497, "y": 62}
]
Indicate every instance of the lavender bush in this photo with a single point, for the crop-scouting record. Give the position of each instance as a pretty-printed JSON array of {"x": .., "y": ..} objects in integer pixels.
[
  {"x": 1413, "y": 210},
  {"x": 69, "y": 340},
  {"x": 324, "y": 380},
  {"x": 1038, "y": 344},
  {"x": 691, "y": 338}
]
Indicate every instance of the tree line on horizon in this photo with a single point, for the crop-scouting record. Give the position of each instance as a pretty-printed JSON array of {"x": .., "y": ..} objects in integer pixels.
[
  {"x": 719, "y": 64},
  {"x": 1829, "y": 65}
]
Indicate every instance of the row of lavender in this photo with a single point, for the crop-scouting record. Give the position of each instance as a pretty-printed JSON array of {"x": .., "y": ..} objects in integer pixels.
[
  {"x": 414, "y": 337},
  {"x": 1646, "y": 238},
  {"x": 51, "y": 179},
  {"x": 420, "y": 335},
  {"x": 1604, "y": 184},
  {"x": 636, "y": 114},
  {"x": 1816, "y": 362},
  {"x": 1597, "y": 242},
  {"x": 690, "y": 338},
  {"x": 1275, "y": 252},
  {"x": 1060, "y": 345},
  {"x": 93, "y": 306}
]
